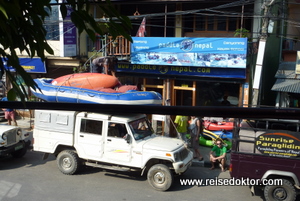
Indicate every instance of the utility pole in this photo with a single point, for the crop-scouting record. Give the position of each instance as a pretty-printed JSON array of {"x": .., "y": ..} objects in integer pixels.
[{"x": 261, "y": 52}]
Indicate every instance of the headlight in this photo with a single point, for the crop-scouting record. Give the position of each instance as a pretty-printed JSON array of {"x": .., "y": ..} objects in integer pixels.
[
  {"x": 176, "y": 156},
  {"x": 19, "y": 132},
  {"x": 4, "y": 136}
]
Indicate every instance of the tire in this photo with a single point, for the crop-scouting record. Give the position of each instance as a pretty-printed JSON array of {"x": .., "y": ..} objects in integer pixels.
[
  {"x": 160, "y": 177},
  {"x": 20, "y": 153},
  {"x": 68, "y": 162},
  {"x": 286, "y": 192}
]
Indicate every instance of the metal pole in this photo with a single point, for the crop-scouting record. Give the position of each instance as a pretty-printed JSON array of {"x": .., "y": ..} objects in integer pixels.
[
  {"x": 165, "y": 28},
  {"x": 242, "y": 19},
  {"x": 261, "y": 51}
]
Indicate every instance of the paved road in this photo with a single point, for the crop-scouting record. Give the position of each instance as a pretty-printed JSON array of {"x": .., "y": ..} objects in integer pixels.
[{"x": 30, "y": 178}]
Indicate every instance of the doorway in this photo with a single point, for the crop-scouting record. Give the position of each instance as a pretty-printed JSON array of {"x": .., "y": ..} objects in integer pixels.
[{"x": 184, "y": 93}]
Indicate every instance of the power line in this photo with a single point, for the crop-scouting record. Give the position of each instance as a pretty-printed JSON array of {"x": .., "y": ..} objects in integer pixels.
[
  {"x": 229, "y": 5},
  {"x": 205, "y": 12}
]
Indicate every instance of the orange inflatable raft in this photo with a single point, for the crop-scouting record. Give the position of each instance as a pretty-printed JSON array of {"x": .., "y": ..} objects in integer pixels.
[
  {"x": 217, "y": 126},
  {"x": 86, "y": 80}
]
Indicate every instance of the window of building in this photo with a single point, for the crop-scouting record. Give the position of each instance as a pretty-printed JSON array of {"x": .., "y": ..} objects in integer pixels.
[
  {"x": 215, "y": 23},
  {"x": 52, "y": 23}
]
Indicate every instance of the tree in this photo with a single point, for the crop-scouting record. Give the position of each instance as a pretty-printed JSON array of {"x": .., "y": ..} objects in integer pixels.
[{"x": 22, "y": 28}]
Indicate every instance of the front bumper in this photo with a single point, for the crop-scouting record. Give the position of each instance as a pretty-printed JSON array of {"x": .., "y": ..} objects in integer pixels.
[
  {"x": 182, "y": 166},
  {"x": 20, "y": 145}
]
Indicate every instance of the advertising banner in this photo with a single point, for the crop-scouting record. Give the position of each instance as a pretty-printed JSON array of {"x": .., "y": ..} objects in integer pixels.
[
  {"x": 198, "y": 52},
  {"x": 69, "y": 35},
  {"x": 238, "y": 73},
  {"x": 278, "y": 144},
  {"x": 34, "y": 65}
]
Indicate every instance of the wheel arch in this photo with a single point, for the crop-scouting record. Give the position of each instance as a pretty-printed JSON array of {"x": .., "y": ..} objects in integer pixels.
[
  {"x": 154, "y": 161},
  {"x": 61, "y": 148},
  {"x": 278, "y": 174}
]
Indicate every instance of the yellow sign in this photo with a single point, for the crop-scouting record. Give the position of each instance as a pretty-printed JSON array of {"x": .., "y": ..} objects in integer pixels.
[{"x": 285, "y": 145}]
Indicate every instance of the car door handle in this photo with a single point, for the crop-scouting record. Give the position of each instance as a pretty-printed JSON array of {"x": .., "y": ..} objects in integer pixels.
[
  {"x": 109, "y": 140},
  {"x": 81, "y": 135}
]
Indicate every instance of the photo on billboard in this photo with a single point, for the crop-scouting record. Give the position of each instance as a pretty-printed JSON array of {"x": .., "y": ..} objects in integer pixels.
[{"x": 197, "y": 52}]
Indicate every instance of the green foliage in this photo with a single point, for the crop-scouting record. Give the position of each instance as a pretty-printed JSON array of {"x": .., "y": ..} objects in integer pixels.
[
  {"x": 116, "y": 25},
  {"x": 21, "y": 28},
  {"x": 79, "y": 69},
  {"x": 243, "y": 33},
  {"x": 11, "y": 95}
]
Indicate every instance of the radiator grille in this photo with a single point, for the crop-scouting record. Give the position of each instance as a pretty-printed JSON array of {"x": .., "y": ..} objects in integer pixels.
[
  {"x": 183, "y": 153},
  {"x": 11, "y": 137}
]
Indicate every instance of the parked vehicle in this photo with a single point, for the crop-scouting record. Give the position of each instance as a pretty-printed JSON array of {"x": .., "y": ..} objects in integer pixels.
[
  {"x": 268, "y": 149},
  {"x": 116, "y": 142},
  {"x": 13, "y": 141}
]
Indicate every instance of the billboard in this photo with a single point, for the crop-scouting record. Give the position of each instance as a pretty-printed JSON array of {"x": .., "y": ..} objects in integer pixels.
[
  {"x": 183, "y": 51},
  {"x": 278, "y": 144},
  {"x": 192, "y": 71},
  {"x": 69, "y": 41},
  {"x": 30, "y": 65}
]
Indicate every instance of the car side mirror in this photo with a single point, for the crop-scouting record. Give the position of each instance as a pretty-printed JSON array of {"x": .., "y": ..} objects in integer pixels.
[{"x": 127, "y": 138}]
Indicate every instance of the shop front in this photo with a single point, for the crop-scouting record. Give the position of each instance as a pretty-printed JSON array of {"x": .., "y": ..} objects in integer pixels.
[
  {"x": 188, "y": 71},
  {"x": 186, "y": 90}
]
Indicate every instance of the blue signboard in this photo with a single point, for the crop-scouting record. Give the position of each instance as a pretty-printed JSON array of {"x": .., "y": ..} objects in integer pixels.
[
  {"x": 34, "y": 65},
  {"x": 198, "y": 52},
  {"x": 192, "y": 71},
  {"x": 70, "y": 35}
]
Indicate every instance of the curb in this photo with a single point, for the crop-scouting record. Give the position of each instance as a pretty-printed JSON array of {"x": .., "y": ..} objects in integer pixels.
[{"x": 197, "y": 163}]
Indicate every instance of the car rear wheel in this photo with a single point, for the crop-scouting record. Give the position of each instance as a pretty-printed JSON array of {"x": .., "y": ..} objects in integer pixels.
[
  {"x": 285, "y": 192},
  {"x": 68, "y": 162}
]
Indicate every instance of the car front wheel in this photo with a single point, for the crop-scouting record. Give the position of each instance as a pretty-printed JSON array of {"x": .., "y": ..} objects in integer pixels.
[{"x": 160, "y": 177}]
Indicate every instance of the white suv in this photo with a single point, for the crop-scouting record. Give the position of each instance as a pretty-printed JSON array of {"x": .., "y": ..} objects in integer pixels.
[{"x": 12, "y": 141}]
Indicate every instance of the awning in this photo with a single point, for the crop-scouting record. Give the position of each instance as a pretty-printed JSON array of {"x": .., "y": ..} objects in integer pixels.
[
  {"x": 287, "y": 85},
  {"x": 287, "y": 79},
  {"x": 30, "y": 65}
]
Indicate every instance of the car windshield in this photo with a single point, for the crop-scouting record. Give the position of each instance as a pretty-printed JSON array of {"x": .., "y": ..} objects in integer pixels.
[{"x": 141, "y": 128}]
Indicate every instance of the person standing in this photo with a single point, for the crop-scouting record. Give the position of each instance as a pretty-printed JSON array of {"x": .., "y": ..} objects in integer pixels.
[
  {"x": 196, "y": 128},
  {"x": 225, "y": 102},
  {"x": 9, "y": 114},
  {"x": 181, "y": 124},
  {"x": 97, "y": 65},
  {"x": 104, "y": 65}
]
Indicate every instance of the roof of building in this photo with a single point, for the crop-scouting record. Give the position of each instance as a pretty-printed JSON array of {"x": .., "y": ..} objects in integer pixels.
[{"x": 287, "y": 79}]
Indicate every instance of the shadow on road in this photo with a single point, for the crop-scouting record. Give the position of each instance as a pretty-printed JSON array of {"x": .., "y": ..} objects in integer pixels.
[
  {"x": 134, "y": 175},
  {"x": 30, "y": 159}
]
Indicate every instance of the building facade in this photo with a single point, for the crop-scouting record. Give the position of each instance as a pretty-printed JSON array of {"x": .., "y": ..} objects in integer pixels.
[
  {"x": 178, "y": 19},
  {"x": 194, "y": 19}
]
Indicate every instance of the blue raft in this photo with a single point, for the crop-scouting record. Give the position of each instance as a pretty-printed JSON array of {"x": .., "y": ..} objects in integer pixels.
[{"x": 55, "y": 93}]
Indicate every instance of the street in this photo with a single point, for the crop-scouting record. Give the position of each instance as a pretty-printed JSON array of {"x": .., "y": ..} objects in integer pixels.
[{"x": 31, "y": 178}]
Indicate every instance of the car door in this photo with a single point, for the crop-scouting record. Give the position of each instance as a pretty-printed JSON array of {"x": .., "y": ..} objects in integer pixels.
[
  {"x": 89, "y": 142},
  {"x": 116, "y": 148}
]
